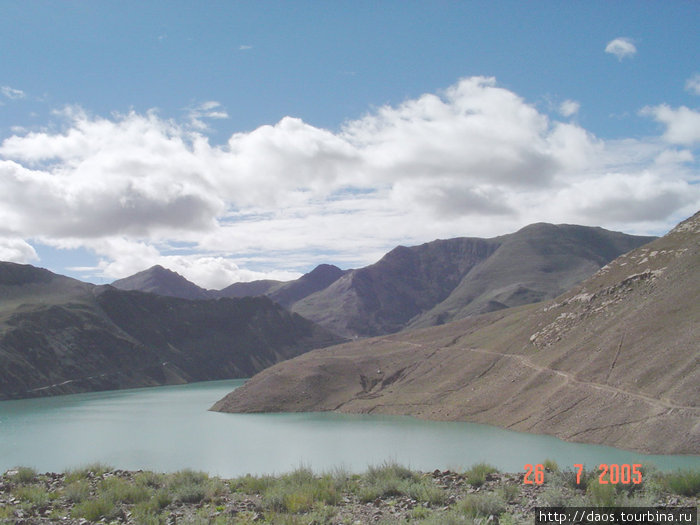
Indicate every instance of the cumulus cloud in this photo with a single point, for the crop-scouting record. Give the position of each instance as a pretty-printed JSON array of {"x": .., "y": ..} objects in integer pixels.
[
  {"x": 122, "y": 257},
  {"x": 474, "y": 159},
  {"x": 16, "y": 250},
  {"x": 682, "y": 124},
  {"x": 133, "y": 175},
  {"x": 569, "y": 108},
  {"x": 621, "y": 47},
  {"x": 12, "y": 93},
  {"x": 693, "y": 84}
]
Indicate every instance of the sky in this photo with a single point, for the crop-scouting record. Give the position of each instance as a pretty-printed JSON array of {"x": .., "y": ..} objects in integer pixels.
[{"x": 239, "y": 140}]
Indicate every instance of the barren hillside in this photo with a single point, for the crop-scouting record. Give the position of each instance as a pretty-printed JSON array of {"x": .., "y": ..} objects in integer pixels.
[{"x": 613, "y": 361}]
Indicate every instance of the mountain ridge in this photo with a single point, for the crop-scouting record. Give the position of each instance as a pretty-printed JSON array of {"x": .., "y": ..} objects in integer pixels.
[
  {"x": 613, "y": 361},
  {"x": 59, "y": 335},
  {"x": 441, "y": 280}
]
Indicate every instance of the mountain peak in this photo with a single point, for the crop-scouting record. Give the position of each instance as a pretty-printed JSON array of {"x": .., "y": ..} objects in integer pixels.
[{"x": 162, "y": 281}]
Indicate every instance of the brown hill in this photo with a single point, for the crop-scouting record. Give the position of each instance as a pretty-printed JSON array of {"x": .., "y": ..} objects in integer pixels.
[
  {"x": 59, "y": 335},
  {"x": 426, "y": 285},
  {"x": 162, "y": 281},
  {"x": 444, "y": 280},
  {"x": 613, "y": 361}
]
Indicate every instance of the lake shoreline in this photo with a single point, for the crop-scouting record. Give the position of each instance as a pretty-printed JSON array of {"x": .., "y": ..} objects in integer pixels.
[
  {"x": 166, "y": 429},
  {"x": 389, "y": 493}
]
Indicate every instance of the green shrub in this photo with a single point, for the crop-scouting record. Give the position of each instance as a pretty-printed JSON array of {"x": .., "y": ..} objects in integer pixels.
[
  {"x": 77, "y": 491},
  {"x": 476, "y": 476},
  {"x": 189, "y": 486},
  {"x": 380, "y": 488},
  {"x": 161, "y": 499},
  {"x": 554, "y": 497},
  {"x": 25, "y": 474},
  {"x": 420, "y": 513},
  {"x": 510, "y": 492},
  {"x": 148, "y": 517},
  {"x": 90, "y": 470},
  {"x": 190, "y": 493},
  {"x": 322, "y": 513},
  {"x": 300, "y": 491},
  {"x": 94, "y": 509},
  {"x": 550, "y": 465},
  {"x": 187, "y": 477},
  {"x": 684, "y": 482},
  {"x": 388, "y": 470},
  {"x": 424, "y": 491},
  {"x": 121, "y": 490},
  {"x": 36, "y": 495},
  {"x": 298, "y": 476},
  {"x": 388, "y": 479},
  {"x": 252, "y": 484},
  {"x": 158, "y": 501},
  {"x": 601, "y": 495},
  {"x": 484, "y": 504},
  {"x": 150, "y": 479}
]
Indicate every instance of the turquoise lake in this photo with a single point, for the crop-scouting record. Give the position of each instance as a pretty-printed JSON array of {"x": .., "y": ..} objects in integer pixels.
[{"x": 170, "y": 428}]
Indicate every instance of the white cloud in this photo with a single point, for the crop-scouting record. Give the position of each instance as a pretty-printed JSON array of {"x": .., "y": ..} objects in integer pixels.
[
  {"x": 693, "y": 84},
  {"x": 206, "y": 110},
  {"x": 475, "y": 159},
  {"x": 569, "y": 108},
  {"x": 17, "y": 250},
  {"x": 12, "y": 93},
  {"x": 682, "y": 124},
  {"x": 621, "y": 47},
  {"x": 245, "y": 47},
  {"x": 122, "y": 257}
]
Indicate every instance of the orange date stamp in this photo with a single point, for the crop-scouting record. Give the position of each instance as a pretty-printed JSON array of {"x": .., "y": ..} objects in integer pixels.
[{"x": 609, "y": 474}]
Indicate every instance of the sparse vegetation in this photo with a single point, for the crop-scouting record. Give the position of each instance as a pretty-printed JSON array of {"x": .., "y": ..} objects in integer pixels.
[
  {"x": 476, "y": 476},
  {"x": 486, "y": 504},
  {"x": 77, "y": 491},
  {"x": 550, "y": 465},
  {"x": 25, "y": 474},
  {"x": 88, "y": 471},
  {"x": 94, "y": 509},
  {"x": 685, "y": 482},
  {"x": 385, "y": 494}
]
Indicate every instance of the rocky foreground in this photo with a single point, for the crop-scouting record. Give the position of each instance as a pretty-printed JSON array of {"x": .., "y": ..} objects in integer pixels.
[{"x": 386, "y": 494}]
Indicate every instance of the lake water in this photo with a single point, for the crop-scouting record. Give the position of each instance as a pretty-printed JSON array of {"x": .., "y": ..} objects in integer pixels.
[{"x": 170, "y": 428}]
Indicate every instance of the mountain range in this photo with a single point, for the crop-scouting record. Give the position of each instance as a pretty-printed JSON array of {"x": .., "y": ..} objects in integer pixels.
[
  {"x": 59, "y": 335},
  {"x": 614, "y": 360},
  {"x": 426, "y": 285}
]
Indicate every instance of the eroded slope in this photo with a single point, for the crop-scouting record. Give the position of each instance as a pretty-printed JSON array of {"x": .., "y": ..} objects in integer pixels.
[{"x": 614, "y": 361}]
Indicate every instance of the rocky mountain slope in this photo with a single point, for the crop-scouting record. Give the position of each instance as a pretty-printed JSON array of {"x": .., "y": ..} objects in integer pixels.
[
  {"x": 430, "y": 284},
  {"x": 613, "y": 361},
  {"x": 451, "y": 279},
  {"x": 162, "y": 281},
  {"x": 59, "y": 335}
]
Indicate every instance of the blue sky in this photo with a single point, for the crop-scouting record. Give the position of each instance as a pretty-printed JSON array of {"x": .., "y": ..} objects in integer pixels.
[{"x": 240, "y": 140}]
